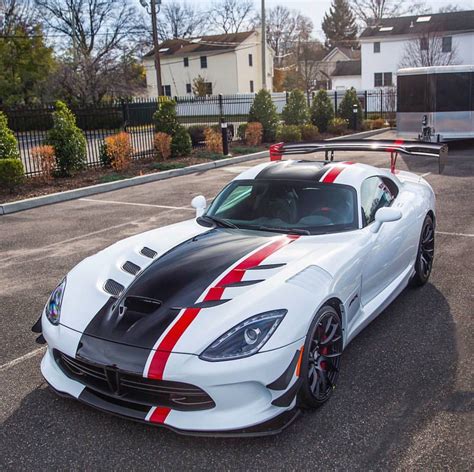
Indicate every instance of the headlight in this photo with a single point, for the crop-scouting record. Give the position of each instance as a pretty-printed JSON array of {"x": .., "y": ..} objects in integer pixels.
[
  {"x": 53, "y": 307},
  {"x": 244, "y": 339}
]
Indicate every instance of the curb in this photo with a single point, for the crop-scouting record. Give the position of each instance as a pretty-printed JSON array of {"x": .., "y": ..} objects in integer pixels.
[
  {"x": 67, "y": 195},
  {"x": 35, "y": 202}
]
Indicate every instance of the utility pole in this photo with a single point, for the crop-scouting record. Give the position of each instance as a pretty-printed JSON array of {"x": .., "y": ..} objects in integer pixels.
[
  {"x": 155, "y": 45},
  {"x": 264, "y": 47},
  {"x": 153, "y": 11}
]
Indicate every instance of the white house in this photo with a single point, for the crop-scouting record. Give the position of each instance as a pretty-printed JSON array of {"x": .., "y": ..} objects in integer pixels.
[
  {"x": 228, "y": 63},
  {"x": 346, "y": 74},
  {"x": 385, "y": 46}
]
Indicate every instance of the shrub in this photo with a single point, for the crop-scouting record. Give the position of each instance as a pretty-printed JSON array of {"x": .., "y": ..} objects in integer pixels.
[
  {"x": 197, "y": 134},
  {"x": 253, "y": 134},
  {"x": 322, "y": 111},
  {"x": 241, "y": 131},
  {"x": 337, "y": 126},
  {"x": 213, "y": 140},
  {"x": 181, "y": 143},
  {"x": 346, "y": 108},
  {"x": 166, "y": 118},
  {"x": 366, "y": 125},
  {"x": 45, "y": 161},
  {"x": 296, "y": 111},
  {"x": 119, "y": 150},
  {"x": 309, "y": 132},
  {"x": 263, "y": 111},
  {"x": 288, "y": 134},
  {"x": 236, "y": 150},
  {"x": 392, "y": 122},
  {"x": 163, "y": 146},
  {"x": 12, "y": 173},
  {"x": 378, "y": 123},
  {"x": 8, "y": 142},
  {"x": 68, "y": 141}
]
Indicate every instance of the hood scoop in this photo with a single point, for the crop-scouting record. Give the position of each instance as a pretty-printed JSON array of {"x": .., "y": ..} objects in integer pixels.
[{"x": 141, "y": 305}]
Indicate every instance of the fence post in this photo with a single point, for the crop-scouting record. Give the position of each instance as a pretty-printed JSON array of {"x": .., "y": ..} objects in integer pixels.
[
  {"x": 366, "y": 104},
  {"x": 225, "y": 137},
  {"x": 221, "y": 108},
  {"x": 381, "y": 103},
  {"x": 335, "y": 102}
]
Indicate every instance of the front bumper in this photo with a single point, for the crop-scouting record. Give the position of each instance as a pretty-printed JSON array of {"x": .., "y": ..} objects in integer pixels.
[{"x": 240, "y": 390}]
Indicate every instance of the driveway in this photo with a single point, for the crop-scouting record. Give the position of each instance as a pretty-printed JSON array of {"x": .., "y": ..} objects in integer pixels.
[{"x": 404, "y": 398}]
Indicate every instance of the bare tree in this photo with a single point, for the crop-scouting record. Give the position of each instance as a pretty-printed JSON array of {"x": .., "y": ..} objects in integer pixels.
[
  {"x": 371, "y": 12},
  {"x": 181, "y": 20},
  {"x": 427, "y": 50},
  {"x": 449, "y": 8},
  {"x": 232, "y": 16},
  {"x": 14, "y": 13},
  {"x": 99, "y": 34}
]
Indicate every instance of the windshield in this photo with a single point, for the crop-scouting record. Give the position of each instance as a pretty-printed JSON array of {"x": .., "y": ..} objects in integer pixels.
[{"x": 286, "y": 206}]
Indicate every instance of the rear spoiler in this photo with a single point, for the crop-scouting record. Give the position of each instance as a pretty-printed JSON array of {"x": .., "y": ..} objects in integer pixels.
[{"x": 409, "y": 148}]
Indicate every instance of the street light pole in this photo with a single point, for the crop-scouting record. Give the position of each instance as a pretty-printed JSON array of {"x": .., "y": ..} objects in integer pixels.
[
  {"x": 156, "y": 46},
  {"x": 264, "y": 47}
]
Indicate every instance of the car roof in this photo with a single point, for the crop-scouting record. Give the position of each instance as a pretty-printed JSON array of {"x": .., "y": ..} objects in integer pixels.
[{"x": 346, "y": 172}]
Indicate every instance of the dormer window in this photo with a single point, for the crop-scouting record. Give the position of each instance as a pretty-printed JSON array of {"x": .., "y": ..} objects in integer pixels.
[
  {"x": 423, "y": 19},
  {"x": 386, "y": 28}
]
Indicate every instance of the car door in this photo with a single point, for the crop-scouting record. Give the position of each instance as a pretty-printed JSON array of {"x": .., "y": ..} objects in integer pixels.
[{"x": 384, "y": 255}]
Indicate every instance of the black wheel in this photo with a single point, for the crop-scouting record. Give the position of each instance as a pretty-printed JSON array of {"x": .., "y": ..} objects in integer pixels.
[
  {"x": 321, "y": 358},
  {"x": 424, "y": 259}
]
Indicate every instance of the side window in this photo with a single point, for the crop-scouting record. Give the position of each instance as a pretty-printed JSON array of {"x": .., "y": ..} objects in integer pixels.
[{"x": 375, "y": 194}]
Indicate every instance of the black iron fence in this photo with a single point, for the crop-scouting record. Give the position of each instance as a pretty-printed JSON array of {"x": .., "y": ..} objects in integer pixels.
[{"x": 136, "y": 117}]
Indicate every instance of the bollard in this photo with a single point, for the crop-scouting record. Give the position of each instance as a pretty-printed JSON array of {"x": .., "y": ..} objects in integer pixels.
[{"x": 225, "y": 138}]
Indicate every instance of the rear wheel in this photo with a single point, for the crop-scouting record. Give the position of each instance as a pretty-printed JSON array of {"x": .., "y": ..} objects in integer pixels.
[
  {"x": 321, "y": 358},
  {"x": 425, "y": 256}
]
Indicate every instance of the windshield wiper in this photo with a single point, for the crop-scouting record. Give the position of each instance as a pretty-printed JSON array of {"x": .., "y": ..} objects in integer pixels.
[
  {"x": 284, "y": 230},
  {"x": 219, "y": 221}
]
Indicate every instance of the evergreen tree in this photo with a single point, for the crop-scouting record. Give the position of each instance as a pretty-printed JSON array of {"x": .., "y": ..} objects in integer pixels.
[
  {"x": 8, "y": 142},
  {"x": 11, "y": 167},
  {"x": 346, "y": 108},
  {"x": 263, "y": 111},
  {"x": 322, "y": 111},
  {"x": 296, "y": 110},
  {"x": 70, "y": 145},
  {"x": 339, "y": 24},
  {"x": 166, "y": 117}
]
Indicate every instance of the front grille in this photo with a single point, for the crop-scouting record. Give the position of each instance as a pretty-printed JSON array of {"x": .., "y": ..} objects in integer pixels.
[{"x": 133, "y": 388}]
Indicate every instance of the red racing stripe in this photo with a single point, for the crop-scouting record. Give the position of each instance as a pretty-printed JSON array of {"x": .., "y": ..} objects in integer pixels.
[
  {"x": 331, "y": 176},
  {"x": 163, "y": 351},
  {"x": 159, "y": 415}
]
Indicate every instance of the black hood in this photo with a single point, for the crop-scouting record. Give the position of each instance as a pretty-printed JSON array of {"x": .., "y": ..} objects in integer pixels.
[{"x": 172, "y": 282}]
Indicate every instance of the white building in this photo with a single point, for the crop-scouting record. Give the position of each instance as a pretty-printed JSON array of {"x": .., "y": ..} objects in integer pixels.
[
  {"x": 228, "y": 63},
  {"x": 346, "y": 74},
  {"x": 385, "y": 47}
]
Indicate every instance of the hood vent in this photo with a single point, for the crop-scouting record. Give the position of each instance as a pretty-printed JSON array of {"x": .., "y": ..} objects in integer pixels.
[
  {"x": 266, "y": 266},
  {"x": 147, "y": 252},
  {"x": 243, "y": 283},
  {"x": 131, "y": 268},
  {"x": 113, "y": 287},
  {"x": 142, "y": 305},
  {"x": 209, "y": 304}
]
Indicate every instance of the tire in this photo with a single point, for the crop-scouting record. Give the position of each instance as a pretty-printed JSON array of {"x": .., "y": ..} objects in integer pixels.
[
  {"x": 425, "y": 256},
  {"x": 321, "y": 358}
]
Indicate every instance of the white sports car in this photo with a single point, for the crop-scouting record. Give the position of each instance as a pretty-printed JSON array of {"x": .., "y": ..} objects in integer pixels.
[{"x": 232, "y": 322}]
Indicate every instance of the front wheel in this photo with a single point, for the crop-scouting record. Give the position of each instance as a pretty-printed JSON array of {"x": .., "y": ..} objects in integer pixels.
[
  {"x": 321, "y": 358},
  {"x": 425, "y": 256}
]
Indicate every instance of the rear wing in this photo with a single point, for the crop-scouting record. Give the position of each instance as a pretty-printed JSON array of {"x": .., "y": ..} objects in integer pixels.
[{"x": 409, "y": 148}]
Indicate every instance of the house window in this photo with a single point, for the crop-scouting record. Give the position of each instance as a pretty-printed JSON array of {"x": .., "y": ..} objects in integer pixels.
[
  {"x": 189, "y": 88},
  {"x": 383, "y": 79},
  {"x": 186, "y": 61},
  {"x": 250, "y": 60},
  {"x": 166, "y": 90},
  {"x": 387, "y": 79},
  {"x": 203, "y": 62},
  {"x": 447, "y": 44},
  {"x": 252, "y": 88},
  {"x": 424, "y": 44},
  {"x": 376, "y": 47},
  {"x": 378, "y": 79},
  {"x": 208, "y": 86}
]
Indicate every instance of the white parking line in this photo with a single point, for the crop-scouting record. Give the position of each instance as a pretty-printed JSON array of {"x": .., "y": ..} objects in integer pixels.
[
  {"x": 466, "y": 235},
  {"x": 136, "y": 204},
  {"x": 16, "y": 361}
]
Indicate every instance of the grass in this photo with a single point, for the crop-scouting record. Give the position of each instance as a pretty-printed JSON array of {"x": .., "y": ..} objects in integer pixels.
[
  {"x": 213, "y": 156},
  {"x": 112, "y": 178},
  {"x": 168, "y": 165},
  {"x": 245, "y": 149}
]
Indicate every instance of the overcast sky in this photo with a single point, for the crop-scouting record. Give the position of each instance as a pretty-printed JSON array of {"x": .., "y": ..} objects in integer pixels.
[{"x": 316, "y": 9}]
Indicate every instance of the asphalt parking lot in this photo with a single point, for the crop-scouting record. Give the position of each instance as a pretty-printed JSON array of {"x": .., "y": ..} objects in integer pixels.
[{"x": 405, "y": 395}]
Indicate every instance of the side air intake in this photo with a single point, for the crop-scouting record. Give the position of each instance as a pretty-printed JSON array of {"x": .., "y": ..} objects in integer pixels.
[
  {"x": 113, "y": 287},
  {"x": 147, "y": 252}
]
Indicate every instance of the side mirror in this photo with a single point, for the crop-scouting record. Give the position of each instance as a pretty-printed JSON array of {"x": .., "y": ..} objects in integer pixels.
[
  {"x": 385, "y": 215},
  {"x": 200, "y": 204}
]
